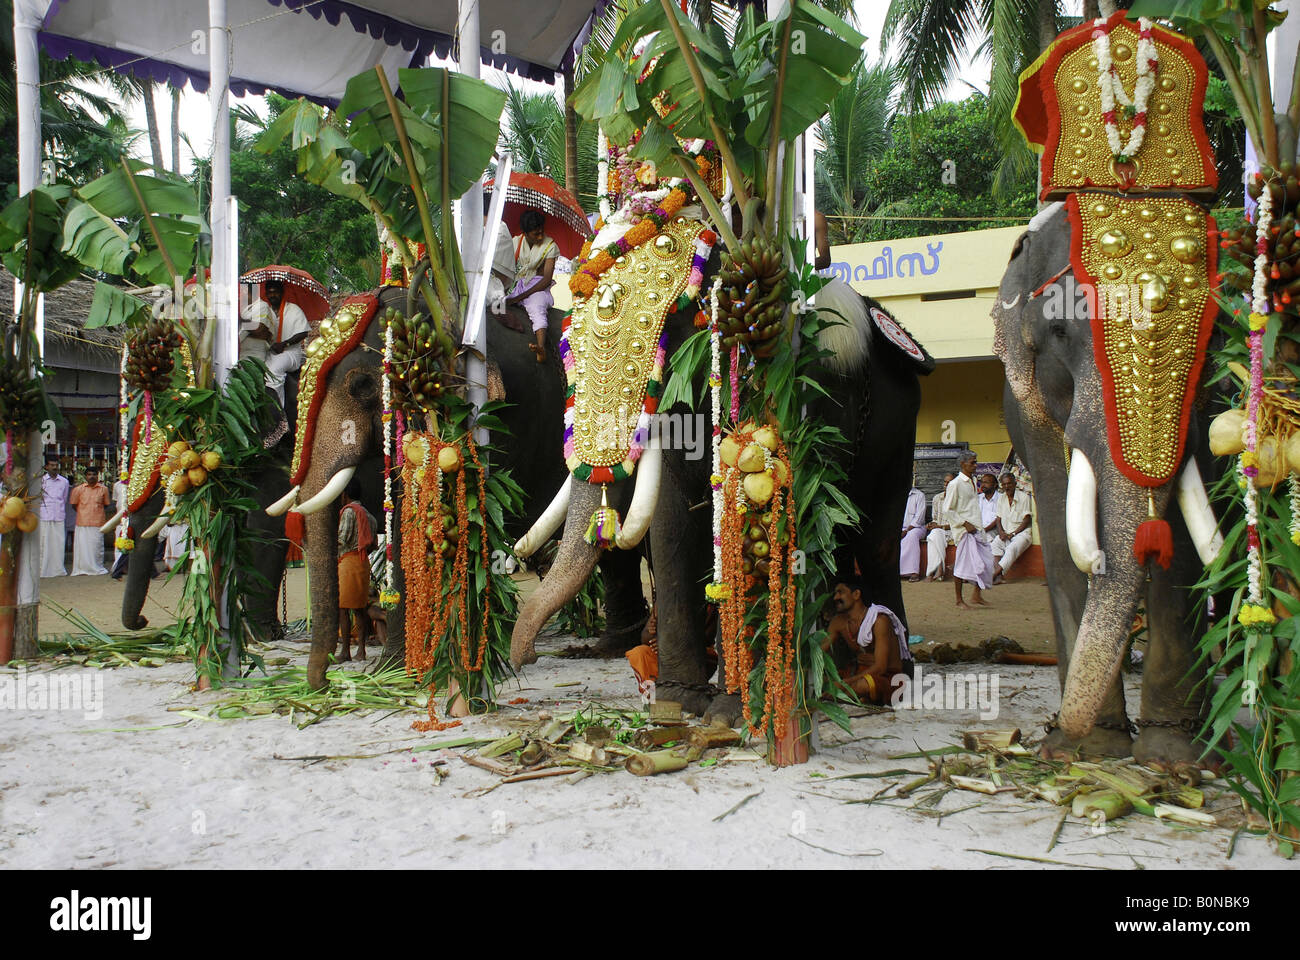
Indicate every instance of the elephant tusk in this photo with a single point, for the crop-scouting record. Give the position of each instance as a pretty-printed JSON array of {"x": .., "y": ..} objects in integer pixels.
[
  {"x": 281, "y": 506},
  {"x": 329, "y": 493},
  {"x": 645, "y": 497},
  {"x": 1081, "y": 516},
  {"x": 112, "y": 522},
  {"x": 1197, "y": 513},
  {"x": 547, "y": 523},
  {"x": 155, "y": 528}
]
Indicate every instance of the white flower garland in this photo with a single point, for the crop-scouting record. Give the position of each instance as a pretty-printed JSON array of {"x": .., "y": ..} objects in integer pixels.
[
  {"x": 715, "y": 402},
  {"x": 1294, "y": 483},
  {"x": 1112, "y": 87},
  {"x": 602, "y": 172},
  {"x": 1254, "y": 611}
]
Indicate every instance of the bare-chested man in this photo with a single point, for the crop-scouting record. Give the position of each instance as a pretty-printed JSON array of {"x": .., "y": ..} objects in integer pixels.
[{"x": 870, "y": 642}]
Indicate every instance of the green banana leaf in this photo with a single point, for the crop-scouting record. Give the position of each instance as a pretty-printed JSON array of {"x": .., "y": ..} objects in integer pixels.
[
  {"x": 112, "y": 307},
  {"x": 31, "y": 227}
]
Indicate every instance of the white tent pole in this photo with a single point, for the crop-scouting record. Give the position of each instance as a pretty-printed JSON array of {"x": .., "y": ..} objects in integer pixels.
[
  {"x": 27, "y": 68},
  {"x": 225, "y": 344},
  {"x": 471, "y": 220}
]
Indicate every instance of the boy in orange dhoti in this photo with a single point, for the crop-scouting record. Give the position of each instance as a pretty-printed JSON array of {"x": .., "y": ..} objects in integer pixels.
[{"x": 356, "y": 540}]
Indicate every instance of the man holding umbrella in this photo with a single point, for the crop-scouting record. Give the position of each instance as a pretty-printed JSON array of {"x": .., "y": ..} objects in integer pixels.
[{"x": 280, "y": 319}]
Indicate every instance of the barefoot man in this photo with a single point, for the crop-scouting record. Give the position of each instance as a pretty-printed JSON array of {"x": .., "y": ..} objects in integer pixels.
[
  {"x": 937, "y": 536},
  {"x": 874, "y": 640},
  {"x": 914, "y": 530},
  {"x": 356, "y": 540},
  {"x": 961, "y": 508}
]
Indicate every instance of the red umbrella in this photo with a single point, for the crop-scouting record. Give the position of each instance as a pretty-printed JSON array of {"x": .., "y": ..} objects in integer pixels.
[
  {"x": 300, "y": 287},
  {"x": 566, "y": 224}
]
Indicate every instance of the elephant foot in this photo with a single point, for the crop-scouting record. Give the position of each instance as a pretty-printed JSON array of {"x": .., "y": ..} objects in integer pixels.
[
  {"x": 724, "y": 710},
  {"x": 610, "y": 646},
  {"x": 695, "y": 701},
  {"x": 1172, "y": 750},
  {"x": 1101, "y": 742}
]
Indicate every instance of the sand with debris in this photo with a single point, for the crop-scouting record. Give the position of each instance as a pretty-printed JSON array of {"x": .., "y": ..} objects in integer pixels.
[{"x": 145, "y": 786}]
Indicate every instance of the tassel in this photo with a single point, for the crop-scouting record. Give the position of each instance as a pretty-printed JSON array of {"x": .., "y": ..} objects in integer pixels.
[
  {"x": 604, "y": 525},
  {"x": 1153, "y": 539},
  {"x": 294, "y": 528}
]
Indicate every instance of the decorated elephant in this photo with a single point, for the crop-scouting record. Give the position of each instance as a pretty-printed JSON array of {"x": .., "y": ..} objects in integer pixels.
[
  {"x": 146, "y": 498},
  {"x": 340, "y": 435},
  {"x": 1062, "y": 415},
  {"x": 872, "y": 380}
]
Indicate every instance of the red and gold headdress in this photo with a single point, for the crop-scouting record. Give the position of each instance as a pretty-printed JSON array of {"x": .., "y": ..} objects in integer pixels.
[{"x": 1074, "y": 107}]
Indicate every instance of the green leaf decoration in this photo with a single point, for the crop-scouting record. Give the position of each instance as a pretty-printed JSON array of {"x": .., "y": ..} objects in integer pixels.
[{"x": 113, "y": 306}]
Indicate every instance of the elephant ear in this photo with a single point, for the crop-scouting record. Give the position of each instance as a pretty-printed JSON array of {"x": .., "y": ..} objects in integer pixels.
[
  {"x": 1012, "y": 340},
  {"x": 889, "y": 334}
]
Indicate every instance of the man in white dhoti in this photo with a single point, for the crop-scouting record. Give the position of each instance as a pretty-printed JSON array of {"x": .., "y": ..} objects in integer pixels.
[
  {"x": 974, "y": 559},
  {"x": 90, "y": 499},
  {"x": 909, "y": 551},
  {"x": 284, "y": 331},
  {"x": 1015, "y": 518},
  {"x": 989, "y": 504},
  {"x": 54, "y": 504},
  {"x": 177, "y": 543},
  {"x": 123, "y": 525},
  {"x": 502, "y": 277},
  {"x": 938, "y": 536}
]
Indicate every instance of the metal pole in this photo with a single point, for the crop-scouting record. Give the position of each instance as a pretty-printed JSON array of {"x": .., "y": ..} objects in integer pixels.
[
  {"x": 471, "y": 219},
  {"x": 27, "y": 70},
  {"x": 223, "y": 357}
]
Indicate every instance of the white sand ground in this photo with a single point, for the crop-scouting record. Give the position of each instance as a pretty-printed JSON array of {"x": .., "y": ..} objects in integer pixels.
[{"x": 117, "y": 791}]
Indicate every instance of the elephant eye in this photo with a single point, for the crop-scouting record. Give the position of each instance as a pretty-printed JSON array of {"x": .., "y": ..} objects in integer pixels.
[{"x": 362, "y": 385}]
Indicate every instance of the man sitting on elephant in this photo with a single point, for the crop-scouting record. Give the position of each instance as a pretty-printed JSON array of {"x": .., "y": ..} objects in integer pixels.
[
  {"x": 356, "y": 540},
  {"x": 869, "y": 644}
]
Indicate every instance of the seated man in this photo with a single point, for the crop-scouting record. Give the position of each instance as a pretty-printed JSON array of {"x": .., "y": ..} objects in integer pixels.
[
  {"x": 938, "y": 536},
  {"x": 1015, "y": 516},
  {"x": 502, "y": 276},
  {"x": 284, "y": 327},
  {"x": 875, "y": 641},
  {"x": 914, "y": 529}
]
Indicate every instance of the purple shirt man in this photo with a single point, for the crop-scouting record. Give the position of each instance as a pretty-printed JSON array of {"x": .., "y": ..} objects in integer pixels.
[
  {"x": 54, "y": 496},
  {"x": 53, "y": 510}
]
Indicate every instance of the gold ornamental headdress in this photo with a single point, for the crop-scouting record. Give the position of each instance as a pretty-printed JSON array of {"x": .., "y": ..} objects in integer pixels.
[{"x": 1118, "y": 105}]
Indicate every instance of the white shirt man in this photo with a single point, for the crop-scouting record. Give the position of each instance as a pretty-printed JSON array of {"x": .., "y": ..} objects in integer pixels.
[
  {"x": 53, "y": 511},
  {"x": 502, "y": 277},
  {"x": 1015, "y": 516},
  {"x": 909, "y": 551},
  {"x": 119, "y": 506},
  {"x": 284, "y": 327},
  {"x": 989, "y": 504},
  {"x": 961, "y": 508},
  {"x": 938, "y": 536}
]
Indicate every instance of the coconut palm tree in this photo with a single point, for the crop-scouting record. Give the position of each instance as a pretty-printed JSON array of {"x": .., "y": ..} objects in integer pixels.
[
  {"x": 535, "y": 133},
  {"x": 853, "y": 135}
]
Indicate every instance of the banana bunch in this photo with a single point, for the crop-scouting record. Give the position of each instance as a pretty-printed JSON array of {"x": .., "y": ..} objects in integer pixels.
[
  {"x": 442, "y": 530},
  {"x": 1282, "y": 283},
  {"x": 418, "y": 366},
  {"x": 151, "y": 356},
  {"x": 20, "y": 399},
  {"x": 752, "y": 299}
]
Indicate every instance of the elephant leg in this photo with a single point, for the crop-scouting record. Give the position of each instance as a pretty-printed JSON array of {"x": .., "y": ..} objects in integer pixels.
[
  {"x": 1172, "y": 704},
  {"x": 322, "y": 555},
  {"x": 625, "y": 607},
  {"x": 681, "y": 569},
  {"x": 1042, "y": 445},
  {"x": 139, "y": 574}
]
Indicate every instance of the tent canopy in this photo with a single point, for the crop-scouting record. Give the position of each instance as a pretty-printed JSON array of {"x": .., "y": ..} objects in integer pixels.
[{"x": 303, "y": 47}]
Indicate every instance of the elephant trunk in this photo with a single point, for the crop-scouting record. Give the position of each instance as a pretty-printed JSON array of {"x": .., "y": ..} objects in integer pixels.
[
  {"x": 573, "y": 565},
  {"x": 1113, "y": 595},
  {"x": 321, "y": 541}
]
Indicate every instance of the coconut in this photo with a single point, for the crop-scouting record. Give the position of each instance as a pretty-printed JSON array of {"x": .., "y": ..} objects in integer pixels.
[
  {"x": 449, "y": 459},
  {"x": 168, "y": 467},
  {"x": 210, "y": 460},
  {"x": 780, "y": 472},
  {"x": 766, "y": 435},
  {"x": 752, "y": 459},
  {"x": 759, "y": 487},
  {"x": 414, "y": 447},
  {"x": 433, "y": 531},
  {"x": 729, "y": 450},
  {"x": 1291, "y": 451},
  {"x": 188, "y": 459},
  {"x": 177, "y": 448},
  {"x": 1225, "y": 433},
  {"x": 761, "y": 549},
  {"x": 27, "y": 522},
  {"x": 14, "y": 508},
  {"x": 197, "y": 476},
  {"x": 1271, "y": 466},
  {"x": 6, "y": 525},
  {"x": 180, "y": 484}
]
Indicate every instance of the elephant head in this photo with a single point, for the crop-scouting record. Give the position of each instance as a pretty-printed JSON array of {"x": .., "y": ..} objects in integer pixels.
[{"x": 1060, "y": 371}]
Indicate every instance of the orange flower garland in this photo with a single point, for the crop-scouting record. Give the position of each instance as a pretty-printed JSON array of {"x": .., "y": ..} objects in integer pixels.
[{"x": 583, "y": 281}]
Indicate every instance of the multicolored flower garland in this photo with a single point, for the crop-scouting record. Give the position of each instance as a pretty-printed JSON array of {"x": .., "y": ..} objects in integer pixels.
[
  {"x": 388, "y": 596},
  {"x": 1112, "y": 88},
  {"x": 717, "y": 590},
  {"x": 123, "y": 423},
  {"x": 1254, "y": 613}
]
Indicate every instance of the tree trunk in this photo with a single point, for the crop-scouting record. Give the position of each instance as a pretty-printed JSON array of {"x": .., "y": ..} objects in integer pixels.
[
  {"x": 570, "y": 135},
  {"x": 176, "y": 130},
  {"x": 1091, "y": 11},
  {"x": 151, "y": 120},
  {"x": 1046, "y": 24}
]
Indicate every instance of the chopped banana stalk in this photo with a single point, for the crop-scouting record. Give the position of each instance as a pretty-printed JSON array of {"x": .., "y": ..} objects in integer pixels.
[
  {"x": 983, "y": 741},
  {"x": 1112, "y": 804}
]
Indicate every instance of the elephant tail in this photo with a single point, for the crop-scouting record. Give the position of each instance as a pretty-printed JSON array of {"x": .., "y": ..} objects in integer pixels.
[{"x": 848, "y": 336}]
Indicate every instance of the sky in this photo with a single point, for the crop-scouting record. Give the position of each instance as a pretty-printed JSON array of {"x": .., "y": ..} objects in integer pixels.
[{"x": 197, "y": 126}]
